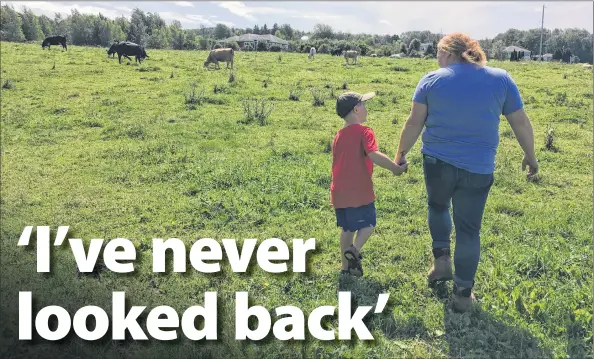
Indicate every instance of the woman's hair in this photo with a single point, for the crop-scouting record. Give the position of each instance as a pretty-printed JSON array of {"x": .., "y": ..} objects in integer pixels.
[{"x": 461, "y": 45}]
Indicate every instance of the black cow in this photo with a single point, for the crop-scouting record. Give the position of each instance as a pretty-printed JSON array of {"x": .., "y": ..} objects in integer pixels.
[
  {"x": 127, "y": 49},
  {"x": 111, "y": 53},
  {"x": 54, "y": 40},
  {"x": 336, "y": 52}
]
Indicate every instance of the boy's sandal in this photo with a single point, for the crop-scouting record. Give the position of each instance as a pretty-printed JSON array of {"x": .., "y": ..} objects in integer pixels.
[{"x": 353, "y": 257}]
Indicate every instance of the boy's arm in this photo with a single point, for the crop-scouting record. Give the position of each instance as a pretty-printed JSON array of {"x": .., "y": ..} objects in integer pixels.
[
  {"x": 411, "y": 130},
  {"x": 386, "y": 162}
]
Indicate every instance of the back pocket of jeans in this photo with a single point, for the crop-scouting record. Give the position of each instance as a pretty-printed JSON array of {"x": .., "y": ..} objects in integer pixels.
[
  {"x": 477, "y": 180},
  {"x": 431, "y": 167}
]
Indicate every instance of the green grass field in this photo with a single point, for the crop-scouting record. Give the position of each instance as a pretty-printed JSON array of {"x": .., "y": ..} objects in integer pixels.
[{"x": 116, "y": 151}]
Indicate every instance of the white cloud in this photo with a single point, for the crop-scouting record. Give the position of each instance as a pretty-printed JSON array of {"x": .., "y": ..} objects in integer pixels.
[
  {"x": 50, "y": 8},
  {"x": 385, "y": 22},
  {"x": 319, "y": 17},
  {"x": 192, "y": 20},
  {"x": 183, "y": 3},
  {"x": 240, "y": 9}
]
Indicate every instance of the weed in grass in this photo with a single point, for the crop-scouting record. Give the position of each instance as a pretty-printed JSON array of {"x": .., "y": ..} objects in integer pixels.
[
  {"x": 256, "y": 111},
  {"x": 8, "y": 84},
  {"x": 318, "y": 96},
  {"x": 550, "y": 139}
]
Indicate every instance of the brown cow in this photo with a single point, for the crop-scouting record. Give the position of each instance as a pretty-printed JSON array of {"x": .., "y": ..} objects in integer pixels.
[{"x": 220, "y": 55}]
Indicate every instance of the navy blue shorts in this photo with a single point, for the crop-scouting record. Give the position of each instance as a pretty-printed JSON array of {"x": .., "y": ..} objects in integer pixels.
[{"x": 354, "y": 218}]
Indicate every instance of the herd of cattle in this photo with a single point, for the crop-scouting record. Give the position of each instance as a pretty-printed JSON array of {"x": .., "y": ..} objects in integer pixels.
[
  {"x": 348, "y": 54},
  {"x": 126, "y": 49}
]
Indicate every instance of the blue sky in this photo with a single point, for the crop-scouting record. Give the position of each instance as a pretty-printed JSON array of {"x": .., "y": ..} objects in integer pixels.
[{"x": 478, "y": 19}]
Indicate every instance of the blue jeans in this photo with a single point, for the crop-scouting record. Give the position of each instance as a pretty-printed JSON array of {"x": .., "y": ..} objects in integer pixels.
[{"x": 468, "y": 193}]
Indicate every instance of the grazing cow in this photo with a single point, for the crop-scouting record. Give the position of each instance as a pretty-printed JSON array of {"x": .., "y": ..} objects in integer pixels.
[
  {"x": 54, "y": 40},
  {"x": 351, "y": 54},
  {"x": 587, "y": 67},
  {"x": 312, "y": 53},
  {"x": 373, "y": 55},
  {"x": 217, "y": 55},
  {"x": 336, "y": 52},
  {"x": 127, "y": 49},
  {"x": 115, "y": 42}
]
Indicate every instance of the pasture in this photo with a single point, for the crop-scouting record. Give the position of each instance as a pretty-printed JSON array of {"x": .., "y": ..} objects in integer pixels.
[{"x": 165, "y": 149}]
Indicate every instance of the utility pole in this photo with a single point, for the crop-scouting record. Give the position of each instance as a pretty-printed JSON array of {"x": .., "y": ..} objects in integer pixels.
[{"x": 541, "y": 29}]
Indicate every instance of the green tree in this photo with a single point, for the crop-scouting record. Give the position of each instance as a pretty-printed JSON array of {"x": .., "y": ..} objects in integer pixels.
[
  {"x": 403, "y": 49},
  {"x": 498, "y": 50},
  {"x": 567, "y": 55},
  {"x": 558, "y": 55},
  {"x": 414, "y": 46},
  {"x": 287, "y": 30},
  {"x": 47, "y": 25},
  {"x": 10, "y": 25},
  {"x": 137, "y": 30},
  {"x": 159, "y": 39},
  {"x": 280, "y": 34},
  {"x": 322, "y": 31},
  {"x": 178, "y": 36},
  {"x": 222, "y": 31},
  {"x": 31, "y": 27}
]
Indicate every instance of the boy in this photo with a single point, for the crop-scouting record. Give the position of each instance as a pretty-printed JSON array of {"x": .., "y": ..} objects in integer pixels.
[{"x": 354, "y": 152}]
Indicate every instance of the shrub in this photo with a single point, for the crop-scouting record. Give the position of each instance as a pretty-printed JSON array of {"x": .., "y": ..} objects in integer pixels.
[
  {"x": 194, "y": 98},
  {"x": 8, "y": 84},
  {"x": 318, "y": 97},
  {"x": 550, "y": 139},
  {"x": 295, "y": 93},
  {"x": 256, "y": 111}
]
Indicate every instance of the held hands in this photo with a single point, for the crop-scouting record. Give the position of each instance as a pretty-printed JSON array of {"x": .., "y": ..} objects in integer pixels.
[{"x": 400, "y": 167}]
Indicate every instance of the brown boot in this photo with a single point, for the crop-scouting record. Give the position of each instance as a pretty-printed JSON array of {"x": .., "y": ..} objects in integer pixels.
[
  {"x": 442, "y": 267},
  {"x": 462, "y": 299}
]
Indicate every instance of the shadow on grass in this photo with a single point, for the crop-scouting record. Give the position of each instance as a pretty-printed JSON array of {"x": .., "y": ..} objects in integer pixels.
[{"x": 477, "y": 334}]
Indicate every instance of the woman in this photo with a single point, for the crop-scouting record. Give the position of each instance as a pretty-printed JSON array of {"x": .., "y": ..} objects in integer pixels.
[{"x": 459, "y": 105}]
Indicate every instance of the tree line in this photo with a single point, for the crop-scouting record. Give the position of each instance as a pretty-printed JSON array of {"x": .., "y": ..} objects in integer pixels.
[{"x": 150, "y": 30}]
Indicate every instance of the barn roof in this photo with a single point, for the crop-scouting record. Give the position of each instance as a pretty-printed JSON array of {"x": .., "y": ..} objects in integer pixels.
[
  {"x": 517, "y": 48},
  {"x": 254, "y": 37}
]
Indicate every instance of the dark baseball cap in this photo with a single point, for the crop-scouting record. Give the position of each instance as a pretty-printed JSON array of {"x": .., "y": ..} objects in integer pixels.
[{"x": 348, "y": 100}]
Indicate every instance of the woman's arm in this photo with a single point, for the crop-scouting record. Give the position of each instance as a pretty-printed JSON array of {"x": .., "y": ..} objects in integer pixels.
[
  {"x": 411, "y": 130},
  {"x": 520, "y": 124}
]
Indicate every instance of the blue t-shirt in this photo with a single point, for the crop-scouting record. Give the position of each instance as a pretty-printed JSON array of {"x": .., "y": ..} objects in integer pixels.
[{"x": 464, "y": 102}]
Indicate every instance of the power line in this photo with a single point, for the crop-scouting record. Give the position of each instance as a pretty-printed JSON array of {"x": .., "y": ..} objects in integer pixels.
[{"x": 541, "y": 29}]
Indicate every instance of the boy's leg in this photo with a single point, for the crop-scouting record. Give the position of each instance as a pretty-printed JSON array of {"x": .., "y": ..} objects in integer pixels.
[
  {"x": 346, "y": 240},
  {"x": 362, "y": 236}
]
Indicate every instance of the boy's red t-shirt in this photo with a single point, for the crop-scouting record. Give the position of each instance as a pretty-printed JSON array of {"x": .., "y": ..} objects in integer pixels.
[{"x": 351, "y": 168}]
